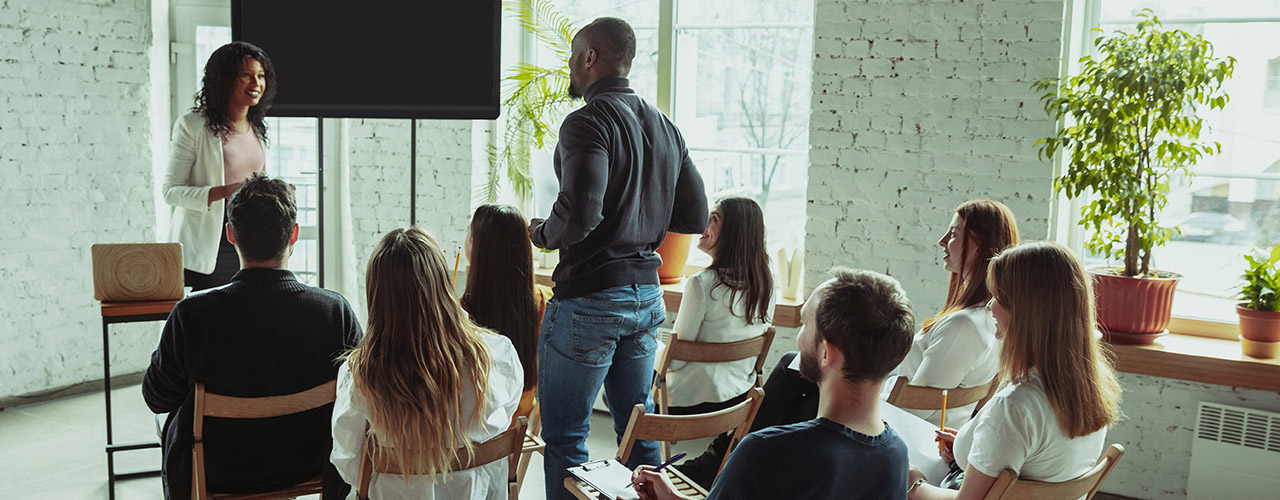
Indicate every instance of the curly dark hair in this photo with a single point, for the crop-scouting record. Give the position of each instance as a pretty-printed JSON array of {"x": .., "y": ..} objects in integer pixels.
[{"x": 220, "y": 74}]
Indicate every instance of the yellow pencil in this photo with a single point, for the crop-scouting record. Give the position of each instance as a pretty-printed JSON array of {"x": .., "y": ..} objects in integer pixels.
[
  {"x": 457, "y": 260},
  {"x": 943, "y": 424}
]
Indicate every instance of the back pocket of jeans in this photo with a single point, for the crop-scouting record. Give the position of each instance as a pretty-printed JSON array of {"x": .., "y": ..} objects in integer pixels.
[{"x": 595, "y": 337}]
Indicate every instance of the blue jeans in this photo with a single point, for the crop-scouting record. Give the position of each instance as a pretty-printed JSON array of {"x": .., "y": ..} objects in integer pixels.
[{"x": 608, "y": 339}]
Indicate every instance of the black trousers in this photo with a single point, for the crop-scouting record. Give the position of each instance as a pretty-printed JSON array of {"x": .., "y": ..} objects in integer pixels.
[
  {"x": 225, "y": 269},
  {"x": 788, "y": 398}
]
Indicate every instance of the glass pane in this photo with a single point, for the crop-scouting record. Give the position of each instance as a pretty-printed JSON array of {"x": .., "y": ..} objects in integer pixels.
[
  {"x": 640, "y": 13},
  {"x": 1112, "y": 9},
  {"x": 293, "y": 157},
  {"x": 208, "y": 39},
  {"x": 744, "y": 11},
  {"x": 744, "y": 88},
  {"x": 1221, "y": 218},
  {"x": 777, "y": 182}
]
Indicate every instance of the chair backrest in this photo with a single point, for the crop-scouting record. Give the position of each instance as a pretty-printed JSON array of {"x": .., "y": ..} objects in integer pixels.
[
  {"x": 655, "y": 427},
  {"x": 208, "y": 404},
  {"x": 914, "y": 397},
  {"x": 1009, "y": 487},
  {"x": 506, "y": 445},
  {"x": 709, "y": 352}
]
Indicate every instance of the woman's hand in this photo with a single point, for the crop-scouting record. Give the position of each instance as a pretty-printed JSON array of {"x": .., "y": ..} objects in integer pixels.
[
  {"x": 223, "y": 192},
  {"x": 946, "y": 439},
  {"x": 652, "y": 485}
]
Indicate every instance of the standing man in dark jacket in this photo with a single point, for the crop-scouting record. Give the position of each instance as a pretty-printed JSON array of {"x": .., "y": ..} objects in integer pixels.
[
  {"x": 625, "y": 181},
  {"x": 264, "y": 334}
]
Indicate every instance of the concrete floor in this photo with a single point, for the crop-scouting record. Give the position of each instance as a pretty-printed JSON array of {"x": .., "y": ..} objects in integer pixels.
[{"x": 54, "y": 450}]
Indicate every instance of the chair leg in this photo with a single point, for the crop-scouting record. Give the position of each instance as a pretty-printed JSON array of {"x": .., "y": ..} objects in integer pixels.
[{"x": 525, "y": 458}]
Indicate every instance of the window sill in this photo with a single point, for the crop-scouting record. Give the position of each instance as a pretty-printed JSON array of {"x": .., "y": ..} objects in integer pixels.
[
  {"x": 1200, "y": 351},
  {"x": 785, "y": 314}
]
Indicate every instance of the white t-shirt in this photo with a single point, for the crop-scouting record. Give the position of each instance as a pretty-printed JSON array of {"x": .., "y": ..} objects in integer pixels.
[
  {"x": 961, "y": 350},
  {"x": 707, "y": 316},
  {"x": 1018, "y": 430},
  {"x": 350, "y": 419}
]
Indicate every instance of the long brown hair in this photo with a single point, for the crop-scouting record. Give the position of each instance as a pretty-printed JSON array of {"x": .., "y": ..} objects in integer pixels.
[
  {"x": 419, "y": 356},
  {"x": 1051, "y": 330},
  {"x": 499, "y": 292},
  {"x": 741, "y": 259},
  {"x": 990, "y": 226}
]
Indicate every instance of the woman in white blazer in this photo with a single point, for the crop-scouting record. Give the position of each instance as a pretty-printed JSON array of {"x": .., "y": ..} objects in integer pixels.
[{"x": 214, "y": 148}]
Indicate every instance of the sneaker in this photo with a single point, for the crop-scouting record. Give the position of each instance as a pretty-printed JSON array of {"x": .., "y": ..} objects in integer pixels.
[{"x": 703, "y": 469}]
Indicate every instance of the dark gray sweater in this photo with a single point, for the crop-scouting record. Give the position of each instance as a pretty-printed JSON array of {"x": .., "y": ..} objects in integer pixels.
[
  {"x": 264, "y": 334},
  {"x": 625, "y": 181}
]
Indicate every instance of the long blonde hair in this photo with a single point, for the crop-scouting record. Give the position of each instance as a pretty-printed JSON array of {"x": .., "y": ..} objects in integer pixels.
[
  {"x": 1051, "y": 330},
  {"x": 990, "y": 227},
  {"x": 419, "y": 356}
]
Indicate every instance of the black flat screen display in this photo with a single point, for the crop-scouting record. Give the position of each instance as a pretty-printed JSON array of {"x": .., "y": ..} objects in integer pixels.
[{"x": 377, "y": 58}]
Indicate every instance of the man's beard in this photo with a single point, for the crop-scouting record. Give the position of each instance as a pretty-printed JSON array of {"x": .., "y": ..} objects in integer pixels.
[
  {"x": 809, "y": 367},
  {"x": 574, "y": 93}
]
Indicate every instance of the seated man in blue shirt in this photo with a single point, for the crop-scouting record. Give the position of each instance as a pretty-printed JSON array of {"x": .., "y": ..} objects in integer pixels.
[{"x": 857, "y": 328}]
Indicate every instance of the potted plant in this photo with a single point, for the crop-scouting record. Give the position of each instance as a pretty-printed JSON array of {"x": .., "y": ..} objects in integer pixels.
[
  {"x": 1129, "y": 123},
  {"x": 1259, "y": 306},
  {"x": 535, "y": 97},
  {"x": 546, "y": 258}
]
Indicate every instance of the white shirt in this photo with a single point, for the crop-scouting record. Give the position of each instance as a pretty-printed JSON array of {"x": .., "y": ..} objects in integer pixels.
[
  {"x": 961, "y": 350},
  {"x": 350, "y": 420},
  {"x": 1018, "y": 430},
  {"x": 707, "y": 316}
]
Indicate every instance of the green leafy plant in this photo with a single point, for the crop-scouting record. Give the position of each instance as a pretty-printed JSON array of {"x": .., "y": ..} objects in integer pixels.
[
  {"x": 1130, "y": 124},
  {"x": 534, "y": 98},
  {"x": 1261, "y": 288}
]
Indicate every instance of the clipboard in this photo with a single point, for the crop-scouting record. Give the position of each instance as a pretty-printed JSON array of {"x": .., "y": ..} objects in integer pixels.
[{"x": 609, "y": 477}]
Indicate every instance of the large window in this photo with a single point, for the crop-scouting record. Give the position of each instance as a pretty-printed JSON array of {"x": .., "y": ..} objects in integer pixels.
[
  {"x": 1230, "y": 206},
  {"x": 740, "y": 73}
]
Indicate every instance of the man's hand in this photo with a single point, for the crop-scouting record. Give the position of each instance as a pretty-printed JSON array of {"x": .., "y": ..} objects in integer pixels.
[
  {"x": 533, "y": 227},
  {"x": 654, "y": 485}
]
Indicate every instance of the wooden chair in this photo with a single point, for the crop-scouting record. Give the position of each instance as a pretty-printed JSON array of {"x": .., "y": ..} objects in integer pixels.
[
  {"x": 532, "y": 443},
  {"x": 214, "y": 405},
  {"x": 506, "y": 445},
  {"x": 655, "y": 427},
  {"x": 1009, "y": 487},
  {"x": 706, "y": 352},
  {"x": 914, "y": 397}
]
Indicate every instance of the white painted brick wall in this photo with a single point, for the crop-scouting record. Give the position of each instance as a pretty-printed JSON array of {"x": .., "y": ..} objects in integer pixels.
[
  {"x": 75, "y": 155},
  {"x": 380, "y": 184},
  {"x": 1158, "y": 428},
  {"x": 918, "y": 106}
]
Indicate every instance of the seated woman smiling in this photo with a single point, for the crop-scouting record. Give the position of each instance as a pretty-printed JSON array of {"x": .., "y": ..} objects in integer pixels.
[{"x": 1050, "y": 422}]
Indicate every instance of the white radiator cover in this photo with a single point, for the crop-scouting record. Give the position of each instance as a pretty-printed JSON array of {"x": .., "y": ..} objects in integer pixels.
[{"x": 1235, "y": 454}]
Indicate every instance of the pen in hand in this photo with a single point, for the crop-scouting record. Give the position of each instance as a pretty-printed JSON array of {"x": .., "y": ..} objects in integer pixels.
[{"x": 664, "y": 465}]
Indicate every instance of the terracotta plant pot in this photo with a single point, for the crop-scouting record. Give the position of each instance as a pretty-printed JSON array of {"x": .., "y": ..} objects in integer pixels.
[
  {"x": 675, "y": 253},
  {"x": 1137, "y": 309},
  {"x": 1259, "y": 326},
  {"x": 1263, "y": 350}
]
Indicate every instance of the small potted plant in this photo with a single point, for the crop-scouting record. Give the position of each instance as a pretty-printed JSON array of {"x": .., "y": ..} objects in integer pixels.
[
  {"x": 546, "y": 259},
  {"x": 1128, "y": 123},
  {"x": 1259, "y": 306}
]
